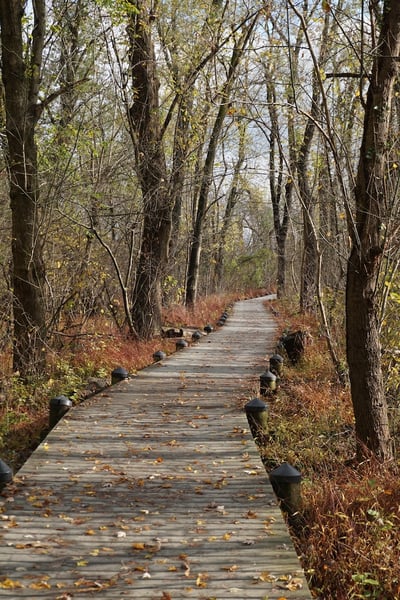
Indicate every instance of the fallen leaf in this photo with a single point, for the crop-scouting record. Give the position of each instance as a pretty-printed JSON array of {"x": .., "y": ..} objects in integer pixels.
[
  {"x": 265, "y": 577},
  {"x": 88, "y": 586},
  {"x": 29, "y": 545},
  {"x": 201, "y": 580},
  {"x": 294, "y": 584},
  {"x": 146, "y": 575},
  {"x": 186, "y": 566},
  {"x": 40, "y": 585},
  {"x": 121, "y": 534},
  {"x": 138, "y": 546},
  {"x": 10, "y": 584},
  {"x": 231, "y": 568}
]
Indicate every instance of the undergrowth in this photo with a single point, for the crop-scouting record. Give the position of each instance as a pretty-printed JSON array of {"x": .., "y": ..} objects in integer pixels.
[{"x": 348, "y": 536}]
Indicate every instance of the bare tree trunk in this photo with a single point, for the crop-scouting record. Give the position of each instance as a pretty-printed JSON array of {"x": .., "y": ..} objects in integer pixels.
[
  {"x": 309, "y": 275},
  {"x": 231, "y": 201},
  {"x": 206, "y": 177},
  {"x": 362, "y": 310},
  {"x": 21, "y": 85},
  {"x": 146, "y": 132},
  {"x": 281, "y": 193},
  {"x": 309, "y": 265}
]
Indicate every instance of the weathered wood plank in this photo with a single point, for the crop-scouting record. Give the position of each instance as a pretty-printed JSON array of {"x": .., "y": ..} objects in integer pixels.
[{"x": 154, "y": 489}]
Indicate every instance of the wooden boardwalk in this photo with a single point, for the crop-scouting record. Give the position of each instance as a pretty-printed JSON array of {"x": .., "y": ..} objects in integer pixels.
[{"x": 155, "y": 489}]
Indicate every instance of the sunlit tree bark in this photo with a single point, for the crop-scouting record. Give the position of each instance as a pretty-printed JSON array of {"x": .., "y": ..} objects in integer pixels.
[
  {"x": 372, "y": 206},
  {"x": 145, "y": 122},
  {"x": 21, "y": 76}
]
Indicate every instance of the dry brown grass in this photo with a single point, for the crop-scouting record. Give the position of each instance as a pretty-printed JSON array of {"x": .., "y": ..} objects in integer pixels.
[{"x": 350, "y": 543}]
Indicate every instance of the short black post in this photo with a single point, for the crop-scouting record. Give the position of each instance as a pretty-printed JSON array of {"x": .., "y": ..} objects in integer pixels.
[
  {"x": 196, "y": 335},
  {"x": 257, "y": 417},
  {"x": 58, "y": 407},
  {"x": 267, "y": 383},
  {"x": 285, "y": 481},
  {"x": 119, "y": 374},
  {"x": 181, "y": 344},
  {"x": 208, "y": 328},
  {"x": 276, "y": 364},
  {"x": 6, "y": 474},
  {"x": 159, "y": 355}
]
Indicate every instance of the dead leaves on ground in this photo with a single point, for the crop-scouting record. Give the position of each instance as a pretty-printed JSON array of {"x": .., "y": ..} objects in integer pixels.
[
  {"x": 288, "y": 582},
  {"x": 42, "y": 583}
]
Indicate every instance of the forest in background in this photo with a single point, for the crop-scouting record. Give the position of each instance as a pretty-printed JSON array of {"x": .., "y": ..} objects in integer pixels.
[{"x": 154, "y": 152}]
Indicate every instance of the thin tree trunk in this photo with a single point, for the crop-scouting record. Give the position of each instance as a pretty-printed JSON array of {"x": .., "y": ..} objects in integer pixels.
[
  {"x": 362, "y": 306},
  {"x": 231, "y": 201},
  {"x": 206, "y": 178},
  {"x": 281, "y": 194},
  {"x": 309, "y": 275}
]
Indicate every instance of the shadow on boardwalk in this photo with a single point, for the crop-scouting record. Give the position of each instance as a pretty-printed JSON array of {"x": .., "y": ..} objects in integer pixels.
[{"x": 154, "y": 489}]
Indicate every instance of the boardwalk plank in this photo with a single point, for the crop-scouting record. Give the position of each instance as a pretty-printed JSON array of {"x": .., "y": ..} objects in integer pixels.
[{"x": 154, "y": 489}]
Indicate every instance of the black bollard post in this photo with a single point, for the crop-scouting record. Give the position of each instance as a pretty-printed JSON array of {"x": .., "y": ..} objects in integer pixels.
[
  {"x": 119, "y": 374},
  {"x": 257, "y": 417},
  {"x": 181, "y": 344},
  {"x": 285, "y": 481},
  {"x": 267, "y": 383},
  {"x": 197, "y": 335},
  {"x": 6, "y": 474},
  {"x": 276, "y": 364},
  {"x": 159, "y": 355},
  {"x": 208, "y": 328},
  {"x": 58, "y": 406}
]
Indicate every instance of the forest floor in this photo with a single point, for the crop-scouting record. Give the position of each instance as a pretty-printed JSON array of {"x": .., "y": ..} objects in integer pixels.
[{"x": 347, "y": 533}]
